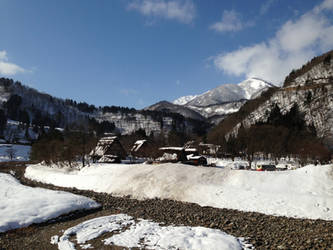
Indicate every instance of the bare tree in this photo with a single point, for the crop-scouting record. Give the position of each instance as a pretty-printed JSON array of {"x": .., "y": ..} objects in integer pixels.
[{"x": 11, "y": 152}]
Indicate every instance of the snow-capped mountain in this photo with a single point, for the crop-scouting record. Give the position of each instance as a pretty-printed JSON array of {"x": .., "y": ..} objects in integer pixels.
[
  {"x": 310, "y": 88},
  {"x": 215, "y": 104},
  {"x": 174, "y": 108},
  {"x": 226, "y": 93},
  {"x": 184, "y": 99}
]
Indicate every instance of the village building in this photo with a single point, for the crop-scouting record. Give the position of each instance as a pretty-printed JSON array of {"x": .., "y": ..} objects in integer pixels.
[
  {"x": 142, "y": 149},
  {"x": 209, "y": 149},
  {"x": 174, "y": 154},
  {"x": 108, "y": 150},
  {"x": 190, "y": 144},
  {"x": 196, "y": 160}
]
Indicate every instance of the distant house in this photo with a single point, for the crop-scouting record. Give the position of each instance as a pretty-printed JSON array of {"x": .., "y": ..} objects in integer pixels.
[
  {"x": 196, "y": 160},
  {"x": 108, "y": 150},
  {"x": 142, "y": 148},
  {"x": 209, "y": 149},
  {"x": 189, "y": 144},
  {"x": 178, "y": 153}
]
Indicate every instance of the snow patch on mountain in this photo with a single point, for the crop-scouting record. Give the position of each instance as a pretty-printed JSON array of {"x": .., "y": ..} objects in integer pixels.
[
  {"x": 230, "y": 93},
  {"x": 252, "y": 86},
  {"x": 225, "y": 99},
  {"x": 184, "y": 99}
]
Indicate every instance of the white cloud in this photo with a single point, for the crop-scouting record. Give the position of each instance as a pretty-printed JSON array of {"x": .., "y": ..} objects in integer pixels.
[
  {"x": 325, "y": 5},
  {"x": 294, "y": 44},
  {"x": 180, "y": 10},
  {"x": 231, "y": 21},
  {"x": 7, "y": 68},
  {"x": 3, "y": 55},
  {"x": 302, "y": 33}
]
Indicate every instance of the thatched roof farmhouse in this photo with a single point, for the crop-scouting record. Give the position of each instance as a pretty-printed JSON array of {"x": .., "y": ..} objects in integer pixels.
[
  {"x": 108, "y": 150},
  {"x": 142, "y": 148}
]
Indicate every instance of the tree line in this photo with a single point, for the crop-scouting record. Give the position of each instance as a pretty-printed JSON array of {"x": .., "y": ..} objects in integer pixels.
[
  {"x": 282, "y": 135},
  {"x": 63, "y": 147}
]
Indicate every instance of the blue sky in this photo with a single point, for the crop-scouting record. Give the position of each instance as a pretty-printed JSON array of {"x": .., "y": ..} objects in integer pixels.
[{"x": 134, "y": 53}]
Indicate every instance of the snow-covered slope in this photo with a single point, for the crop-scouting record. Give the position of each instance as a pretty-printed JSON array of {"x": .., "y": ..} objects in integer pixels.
[
  {"x": 215, "y": 104},
  {"x": 22, "y": 205},
  {"x": 184, "y": 99},
  {"x": 174, "y": 108},
  {"x": 27, "y": 105},
  {"x": 302, "y": 193},
  {"x": 311, "y": 88},
  {"x": 226, "y": 93}
]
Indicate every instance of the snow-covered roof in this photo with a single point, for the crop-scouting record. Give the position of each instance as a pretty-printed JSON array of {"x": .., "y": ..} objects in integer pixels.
[
  {"x": 194, "y": 157},
  {"x": 99, "y": 150},
  {"x": 172, "y": 148},
  {"x": 189, "y": 144},
  {"x": 191, "y": 150},
  {"x": 137, "y": 145},
  {"x": 107, "y": 140},
  {"x": 107, "y": 158},
  {"x": 102, "y": 144},
  {"x": 209, "y": 145}
]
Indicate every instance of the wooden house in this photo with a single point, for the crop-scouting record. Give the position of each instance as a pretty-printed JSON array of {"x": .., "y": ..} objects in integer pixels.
[
  {"x": 179, "y": 153},
  {"x": 209, "y": 149},
  {"x": 108, "y": 150},
  {"x": 143, "y": 149}
]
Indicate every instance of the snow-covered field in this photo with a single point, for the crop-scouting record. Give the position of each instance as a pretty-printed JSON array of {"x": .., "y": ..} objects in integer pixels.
[
  {"x": 20, "y": 152},
  {"x": 302, "y": 193},
  {"x": 147, "y": 234},
  {"x": 21, "y": 205}
]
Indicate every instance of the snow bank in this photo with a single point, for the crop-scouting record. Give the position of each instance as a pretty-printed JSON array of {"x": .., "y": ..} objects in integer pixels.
[
  {"x": 302, "y": 193},
  {"x": 147, "y": 234},
  {"x": 21, "y": 206},
  {"x": 20, "y": 152}
]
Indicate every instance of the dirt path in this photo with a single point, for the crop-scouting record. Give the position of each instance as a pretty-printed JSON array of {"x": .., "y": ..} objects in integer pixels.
[{"x": 263, "y": 231}]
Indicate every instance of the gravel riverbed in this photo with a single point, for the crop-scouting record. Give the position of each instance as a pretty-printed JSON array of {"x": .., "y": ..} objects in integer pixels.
[{"x": 263, "y": 231}]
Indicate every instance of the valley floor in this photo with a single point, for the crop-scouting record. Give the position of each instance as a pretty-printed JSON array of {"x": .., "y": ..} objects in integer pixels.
[{"x": 263, "y": 231}]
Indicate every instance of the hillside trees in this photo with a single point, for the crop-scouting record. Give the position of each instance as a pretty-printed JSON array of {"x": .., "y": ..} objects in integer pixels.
[
  {"x": 281, "y": 135},
  {"x": 3, "y": 121},
  {"x": 13, "y": 106},
  {"x": 63, "y": 147}
]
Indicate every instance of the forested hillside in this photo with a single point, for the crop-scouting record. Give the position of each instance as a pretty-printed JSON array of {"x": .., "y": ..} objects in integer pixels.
[{"x": 34, "y": 110}]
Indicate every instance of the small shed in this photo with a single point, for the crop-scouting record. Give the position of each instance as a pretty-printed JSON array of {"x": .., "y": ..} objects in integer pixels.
[{"x": 108, "y": 150}]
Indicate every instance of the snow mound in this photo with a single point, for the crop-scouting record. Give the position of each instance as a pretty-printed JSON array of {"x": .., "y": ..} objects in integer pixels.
[
  {"x": 302, "y": 193},
  {"x": 21, "y": 206},
  {"x": 146, "y": 234}
]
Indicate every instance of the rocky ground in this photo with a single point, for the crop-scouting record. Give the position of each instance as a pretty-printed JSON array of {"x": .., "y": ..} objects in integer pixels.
[{"x": 263, "y": 231}]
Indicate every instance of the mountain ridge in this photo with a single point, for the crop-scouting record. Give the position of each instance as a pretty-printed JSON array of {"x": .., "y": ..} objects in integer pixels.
[
  {"x": 217, "y": 103},
  {"x": 30, "y": 107},
  {"x": 310, "y": 88}
]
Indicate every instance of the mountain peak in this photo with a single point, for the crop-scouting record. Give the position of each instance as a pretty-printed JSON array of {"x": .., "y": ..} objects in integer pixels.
[
  {"x": 226, "y": 93},
  {"x": 252, "y": 85},
  {"x": 184, "y": 99}
]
